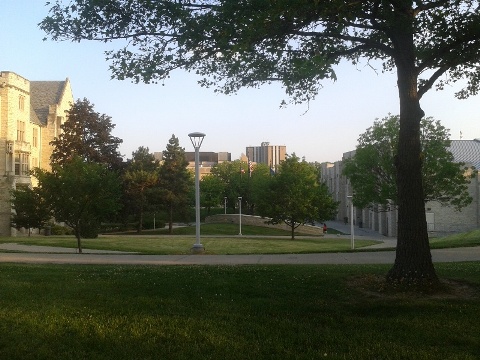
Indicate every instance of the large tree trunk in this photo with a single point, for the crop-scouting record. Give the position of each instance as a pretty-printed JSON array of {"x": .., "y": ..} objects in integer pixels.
[{"x": 413, "y": 262}]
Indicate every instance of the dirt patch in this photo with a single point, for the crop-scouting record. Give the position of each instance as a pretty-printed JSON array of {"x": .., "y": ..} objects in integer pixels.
[{"x": 375, "y": 286}]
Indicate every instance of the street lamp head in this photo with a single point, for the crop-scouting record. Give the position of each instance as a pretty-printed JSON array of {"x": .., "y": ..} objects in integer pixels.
[{"x": 196, "y": 138}]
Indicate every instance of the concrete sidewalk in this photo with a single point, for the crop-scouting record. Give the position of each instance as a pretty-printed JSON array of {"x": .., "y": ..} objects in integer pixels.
[
  {"x": 54, "y": 249},
  {"x": 360, "y": 257}
]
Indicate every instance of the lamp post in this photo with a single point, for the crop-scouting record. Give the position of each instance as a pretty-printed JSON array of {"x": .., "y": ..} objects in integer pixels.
[
  {"x": 197, "y": 138},
  {"x": 240, "y": 213},
  {"x": 225, "y": 204},
  {"x": 352, "y": 235}
]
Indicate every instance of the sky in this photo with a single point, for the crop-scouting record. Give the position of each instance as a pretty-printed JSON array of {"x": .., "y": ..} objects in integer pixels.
[{"x": 149, "y": 114}]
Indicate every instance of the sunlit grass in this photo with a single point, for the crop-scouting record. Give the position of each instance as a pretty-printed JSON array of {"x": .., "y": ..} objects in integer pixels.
[
  {"x": 223, "y": 229},
  {"x": 174, "y": 245},
  {"x": 471, "y": 238},
  {"x": 227, "y": 312}
]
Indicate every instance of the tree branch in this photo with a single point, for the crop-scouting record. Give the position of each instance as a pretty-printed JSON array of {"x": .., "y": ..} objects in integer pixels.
[
  {"x": 422, "y": 6},
  {"x": 429, "y": 83}
]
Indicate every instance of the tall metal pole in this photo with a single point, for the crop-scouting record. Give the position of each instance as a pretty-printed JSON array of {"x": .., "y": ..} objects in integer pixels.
[
  {"x": 225, "y": 204},
  {"x": 197, "y": 198},
  {"x": 352, "y": 234},
  {"x": 197, "y": 139},
  {"x": 240, "y": 214}
]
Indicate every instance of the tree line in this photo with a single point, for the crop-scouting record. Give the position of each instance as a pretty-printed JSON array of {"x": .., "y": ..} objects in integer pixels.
[{"x": 90, "y": 184}]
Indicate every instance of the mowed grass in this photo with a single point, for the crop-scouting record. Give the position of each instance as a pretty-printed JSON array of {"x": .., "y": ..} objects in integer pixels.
[
  {"x": 223, "y": 229},
  {"x": 224, "y": 239},
  {"x": 177, "y": 245},
  {"x": 217, "y": 239},
  {"x": 471, "y": 238},
  {"x": 231, "y": 312}
]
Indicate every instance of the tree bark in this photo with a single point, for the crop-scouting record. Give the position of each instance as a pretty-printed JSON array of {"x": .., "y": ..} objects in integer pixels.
[
  {"x": 413, "y": 262},
  {"x": 79, "y": 241}
]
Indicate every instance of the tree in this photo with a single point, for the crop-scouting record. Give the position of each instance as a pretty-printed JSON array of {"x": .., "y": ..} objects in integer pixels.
[
  {"x": 86, "y": 134},
  {"x": 211, "y": 191},
  {"x": 137, "y": 183},
  {"x": 234, "y": 44},
  {"x": 80, "y": 194},
  {"x": 142, "y": 159},
  {"x": 261, "y": 175},
  {"x": 294, "y": 196},
  {"x": 30, "y": 209},
  {"x": 140, "y": 176},
  {"x": 175, "y": 180},
  {"x": 372, "y": 172},
  {"x": 235, "y": 178}
]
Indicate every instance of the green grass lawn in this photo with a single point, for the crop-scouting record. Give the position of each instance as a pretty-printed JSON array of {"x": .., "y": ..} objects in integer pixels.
[
  {"x": 471, "y": 238},
  {"x": 174, "y": 245},
  {"x": 217, "y": 239},
  {"x": 231, "y": 312},
  {"x": 223, "y": 229},
  {"x": 223, "y": 239}
]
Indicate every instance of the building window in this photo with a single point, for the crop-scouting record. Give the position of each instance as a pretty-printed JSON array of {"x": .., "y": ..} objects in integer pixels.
[
  {"x": 25, "y": 165},
  {"x": 58, "y": 126},
  {"x": 22, "y": 164},
  {"x": 35, "y": 138},
  {"x": 17, "y": 163},
  {"x": 20, "y": 130},
  {"x": 21, "y": 102}
]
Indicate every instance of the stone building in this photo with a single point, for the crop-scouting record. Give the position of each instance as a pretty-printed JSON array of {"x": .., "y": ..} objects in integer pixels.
[
  {"x": 440, "y": 219},
  {"x": 31, "y": 113}
]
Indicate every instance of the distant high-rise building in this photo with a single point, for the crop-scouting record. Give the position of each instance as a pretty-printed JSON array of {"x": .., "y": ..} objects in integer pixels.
[{"x": 272, "y": 155}]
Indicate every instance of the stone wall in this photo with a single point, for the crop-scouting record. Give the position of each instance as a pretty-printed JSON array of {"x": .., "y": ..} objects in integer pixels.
[{"x": 259, "y": 221}]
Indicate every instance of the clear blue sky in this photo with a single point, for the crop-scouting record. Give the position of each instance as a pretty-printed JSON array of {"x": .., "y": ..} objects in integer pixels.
[{"x": 147, "y": 115}]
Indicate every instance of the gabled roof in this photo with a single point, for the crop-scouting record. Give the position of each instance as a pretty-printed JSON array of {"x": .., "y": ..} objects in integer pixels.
[
  {"x": 467, "y": 151},
  {"x": 43, "y": 94}
]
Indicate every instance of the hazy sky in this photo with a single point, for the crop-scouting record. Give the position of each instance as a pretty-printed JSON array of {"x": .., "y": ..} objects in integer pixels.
[{"x": 148, "y": 115}]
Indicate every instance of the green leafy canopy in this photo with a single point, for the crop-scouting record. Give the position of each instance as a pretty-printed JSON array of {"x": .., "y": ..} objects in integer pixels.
[
  {"x": 372, "y": 172},
  {"x": 297, "y": 43}
]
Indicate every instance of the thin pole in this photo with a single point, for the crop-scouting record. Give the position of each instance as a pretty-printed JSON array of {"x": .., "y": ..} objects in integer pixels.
[
  {"x": 197, "y": 197},
  {"x": 351, "y": 224},
  {"x": 240, "y": 214}
]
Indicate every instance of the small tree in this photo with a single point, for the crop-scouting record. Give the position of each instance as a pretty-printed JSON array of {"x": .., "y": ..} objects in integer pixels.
[
  {"x": 175, "y": 180},
  {"x": 137, "y": 183},
  {"x": 372, "y": 170},
  {"x": 235, "y": 179},
  {"x": 30, "y": 209},
  {"x": 211, "y": 191},
  {"x": 295, "y": 196},
  {"x": 140, "y": 177},
  {"x": 87, "y": 134},
  {"x": 80, "y": 194}
]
